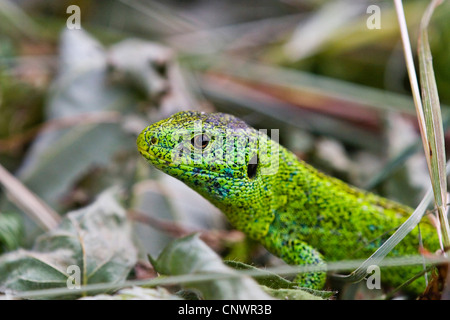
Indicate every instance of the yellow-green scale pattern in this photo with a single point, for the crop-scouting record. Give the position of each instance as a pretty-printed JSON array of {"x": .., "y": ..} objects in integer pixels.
[{"x": 298, "y": 213}]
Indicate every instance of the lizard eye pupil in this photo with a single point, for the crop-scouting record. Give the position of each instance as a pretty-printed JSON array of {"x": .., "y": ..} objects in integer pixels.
[{"x": 200, "y": 141}]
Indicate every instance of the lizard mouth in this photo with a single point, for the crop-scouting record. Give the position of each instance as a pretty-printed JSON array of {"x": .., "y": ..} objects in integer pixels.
[
  {"x": 147, "y": 155},
  {"x": 152, "y": 156}
]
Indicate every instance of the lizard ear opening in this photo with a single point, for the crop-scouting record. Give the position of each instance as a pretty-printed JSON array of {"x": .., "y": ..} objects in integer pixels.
[{"x": 252, "y": 167}]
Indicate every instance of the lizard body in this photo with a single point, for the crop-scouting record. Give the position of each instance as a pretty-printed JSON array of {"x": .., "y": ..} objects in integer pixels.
[{"x": 298, "y": 213}]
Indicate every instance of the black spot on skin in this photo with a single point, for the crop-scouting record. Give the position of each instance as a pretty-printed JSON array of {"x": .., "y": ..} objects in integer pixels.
[{"x": 196, "y": 170}]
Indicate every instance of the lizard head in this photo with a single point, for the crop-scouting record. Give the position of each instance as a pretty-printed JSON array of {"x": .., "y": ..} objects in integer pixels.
[
  {"x": 216, "y": 154},
  {"x": 202, "y": 148}
]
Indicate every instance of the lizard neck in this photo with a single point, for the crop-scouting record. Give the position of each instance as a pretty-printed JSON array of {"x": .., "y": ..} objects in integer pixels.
[{"x": 253, "y": 210}]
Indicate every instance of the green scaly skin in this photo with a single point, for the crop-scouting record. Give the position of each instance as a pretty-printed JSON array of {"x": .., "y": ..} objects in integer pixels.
[{"x": 298, "y": 213}]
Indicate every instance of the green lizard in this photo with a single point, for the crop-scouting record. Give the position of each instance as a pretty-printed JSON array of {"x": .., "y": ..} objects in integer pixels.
[{"x": 298, "y": 213}]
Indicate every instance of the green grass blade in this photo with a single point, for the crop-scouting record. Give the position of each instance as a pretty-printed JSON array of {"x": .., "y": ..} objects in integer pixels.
[{"x": 433, "y": 121}]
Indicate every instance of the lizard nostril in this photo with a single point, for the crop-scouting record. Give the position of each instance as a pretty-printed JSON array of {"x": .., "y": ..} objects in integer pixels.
[{"x": 154, "y": 140}]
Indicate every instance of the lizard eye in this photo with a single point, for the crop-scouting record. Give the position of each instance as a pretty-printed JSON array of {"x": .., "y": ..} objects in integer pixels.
[{"x": 200, "y": 141}]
